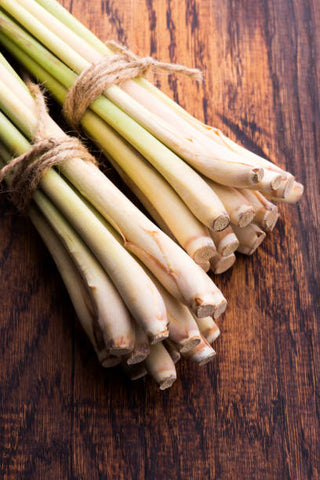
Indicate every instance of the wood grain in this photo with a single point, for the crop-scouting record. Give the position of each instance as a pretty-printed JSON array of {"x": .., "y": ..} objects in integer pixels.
[{"x": 253, "y": 413}]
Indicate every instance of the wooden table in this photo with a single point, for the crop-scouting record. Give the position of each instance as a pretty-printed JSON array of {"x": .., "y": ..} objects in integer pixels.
[{"x": 254, "y": 412}]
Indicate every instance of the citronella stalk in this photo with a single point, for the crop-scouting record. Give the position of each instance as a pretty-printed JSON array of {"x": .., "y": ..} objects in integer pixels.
[
  {"x": 266, "y": 213},
  {"x": 73, "y": 282},
  {"x": 141, "y": 347},
  {"x": 249, "y": 237},
  {"x": 208, "y": 328},
  {"x": 215, "y": 162},
  {"x": 293, "y": 196},
  {"x": 226, "y": 242},
  {"x": 172, "y": 216},
  {"x": 183, "y": 329},
  {"x": 239, "y": 209},
  {"x": 202, "y": 353},
  {"x": 220, "y": 264},
  {"x": 155, "y": 187},
  {"x": 172, "y": 350},
  {"x": 113, "y": 317},
  {"x": 160, "y": 366},
  {"x": 127, "y": 275},
  {"x": 173, "y": 267}
]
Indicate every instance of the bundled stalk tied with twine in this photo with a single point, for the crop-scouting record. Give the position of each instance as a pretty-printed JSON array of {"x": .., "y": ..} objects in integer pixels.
[
  {"x": 27, "y": 169},
  {"x": 113, "y": 70}
]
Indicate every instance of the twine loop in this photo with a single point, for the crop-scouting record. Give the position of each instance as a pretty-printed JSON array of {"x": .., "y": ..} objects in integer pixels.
[
  {"x": 27, "y": 169},
  {"x": 112, "y": 70}
]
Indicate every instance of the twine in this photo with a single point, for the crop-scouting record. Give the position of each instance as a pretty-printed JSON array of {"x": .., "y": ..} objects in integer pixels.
[
  {"x": 27, "y": 169},
  {"x": 112, "y": 70}
]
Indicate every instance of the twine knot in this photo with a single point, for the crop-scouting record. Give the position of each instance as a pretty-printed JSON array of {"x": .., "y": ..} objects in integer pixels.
[
  {"x": 112, "y": 70},
  {"x": 26, "y": 170}
]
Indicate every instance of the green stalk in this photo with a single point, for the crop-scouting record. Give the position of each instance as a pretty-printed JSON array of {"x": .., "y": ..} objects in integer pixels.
[
  {"x": 78, "y": 294},
  {"x": 175, "y": 270},
  {"x": 238, "y": 207},
  {"x": 250, "y": 238},
  {"x": 192, "y": 235},
  {"x": 208, "y": 328},
  {"x": 221, "y": 263},
  {"x": 202, "y": 353},
  {"x": 160, "y": 366},
  {"x": 266, "y": 213},
  {"x": 113, "y": 317}
]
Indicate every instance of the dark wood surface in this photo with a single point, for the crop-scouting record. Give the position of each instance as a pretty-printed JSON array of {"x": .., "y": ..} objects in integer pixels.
[{"x": 254, "y": 412}]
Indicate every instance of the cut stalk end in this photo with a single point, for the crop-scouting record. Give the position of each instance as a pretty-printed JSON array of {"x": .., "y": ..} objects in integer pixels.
[
  {"x": 256, "y": 175},
  {"x": 120, "y": 351},
  {"x": 245, "y": 215},
  {"x": 189, "y": 344},
  {"x": 203, "y": 254},
  {"x": 220, "y": 309},
  {"x": 221, "y": 264},
  {"x": 168, "y": 382},
  {"x": 137, "y": 357},
  {"x": 204, "y": 310},
  {"x": 154, "y": 339},
  {"x": 221, "y": 222}
]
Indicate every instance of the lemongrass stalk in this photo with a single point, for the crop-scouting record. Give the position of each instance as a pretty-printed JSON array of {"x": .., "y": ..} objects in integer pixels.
[
  {"x": 202, "y": 353},
  {"x": 236, "y": 148},
  {"x": 250, "y": 238},
  {"x": 141, "y": 347},
  {"x": 143, "y": 301},
  {"x": 113, "y": 316},
  {"x": 172, "y": 216},
  {"x": 266, "y": 213},
  {"x": 160, "y": 366},
  {"x": 78, "y": 293},
  {"x": 215, "y": 162},
  {"x": 199, "y": 248},
  {"x": 220, "y": 264},
  {"x": 9, "y": 76},
  {"x": 173, "y": 350},
  {"x": 282, "y": 191},
  {"x": 161, "y": 195},
  {"x": 208, "y": 328},
  {"x": 293, "y": 196},
  {"x": 134, "y": 372},
  {"x": 129, "y": 278},
  {"x": 73, "y": 282},
  {"x": 226, "y": 242},
  {"x": 183, "y": 329},
  {"x": 239, "y": 209},
  {"x": 174, "y": 268}
]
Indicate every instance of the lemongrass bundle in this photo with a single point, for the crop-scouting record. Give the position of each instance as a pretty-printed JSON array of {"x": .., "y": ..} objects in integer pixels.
[
  {"x": 138, "y": 127},
  {"x": 190, "y": 177},
  {"x": 98, "y": 272}
]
